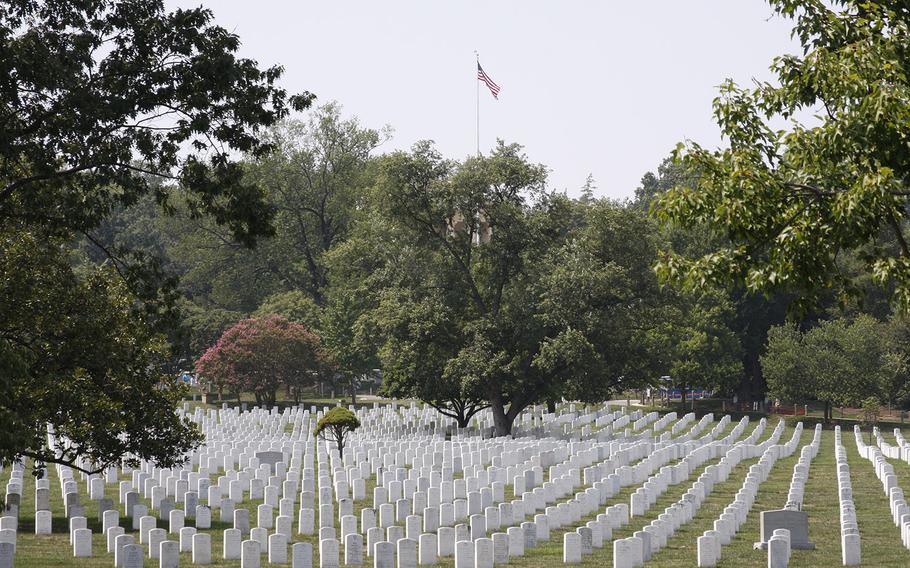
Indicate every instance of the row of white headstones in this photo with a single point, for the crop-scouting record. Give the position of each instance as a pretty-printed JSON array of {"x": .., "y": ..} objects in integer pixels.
[
  {"x": 878, "y": 454},
  {"x": 416, "y": 486},
  {"x": 849, "y": 529}
]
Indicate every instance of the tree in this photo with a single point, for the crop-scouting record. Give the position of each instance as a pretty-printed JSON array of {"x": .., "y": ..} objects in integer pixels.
[
  {"x": 350, "y": 337},
  {"x": 316, "y": 182},
  {"x": 587, "y": 190},
  {"x": 872, "y": 408},
  {"x": 337, "y": 424},
  {"x": 260, "y": 355},
  {"x": 895, "y": 389},
  {"x": 473, "y": 232},
  {"x": 692, "y": 344},
  {"x": 749, "y": 315},
  {"x": 485, "y": 297},
  {"x": 423, "y": 338},
  {"x": 77, "y": 357},
  {"x": 791, "y": 202},
  {"x": 839, "y": 362},
  {"x": 100, "y": 101},
  {"x": 652, "y": 186},
  {"x": 202, "y": 327},
  {"x": 295, "y": 305},
  {"x": 97, "y": 98}
]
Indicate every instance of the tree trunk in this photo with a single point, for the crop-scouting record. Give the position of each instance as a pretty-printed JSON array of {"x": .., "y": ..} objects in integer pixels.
[
  {"x": 501, "y": 421},
  {"x": 829, "y": 415},
  {"x": 462, "y": 416},
  {"x": 339, "y": 438},
  {"x": 551, "y": 406},
  {"x": 353, "y": 384}
]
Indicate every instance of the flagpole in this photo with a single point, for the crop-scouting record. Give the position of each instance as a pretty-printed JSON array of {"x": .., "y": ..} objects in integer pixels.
[{"x": 477, "y": 83}]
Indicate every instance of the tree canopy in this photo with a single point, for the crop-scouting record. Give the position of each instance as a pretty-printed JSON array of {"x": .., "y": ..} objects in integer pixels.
[
  {"x": 337, "y": 424},
  {"x": 105, "y": 106},
  {"x": 840, "y": 362},
  {"x": 77, "y": 356},
  {"x": 487, "y": 289},
  {"x": 795, "y": 204}
]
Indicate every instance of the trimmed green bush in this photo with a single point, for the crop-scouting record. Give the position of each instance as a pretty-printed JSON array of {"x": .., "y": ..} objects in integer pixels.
[{"x": 336, "y": 424}]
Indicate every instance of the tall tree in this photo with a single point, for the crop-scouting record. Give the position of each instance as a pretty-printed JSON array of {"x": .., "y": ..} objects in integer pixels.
[
  {"x": 791, "y": 202},
  {"x": 316, "y": 182},
  {"x": 97, "y": 100},
  {"x": 486, "y": 298}
]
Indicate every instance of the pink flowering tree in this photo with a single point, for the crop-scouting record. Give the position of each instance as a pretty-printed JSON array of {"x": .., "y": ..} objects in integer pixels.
[{"x": 261, "y": 355}]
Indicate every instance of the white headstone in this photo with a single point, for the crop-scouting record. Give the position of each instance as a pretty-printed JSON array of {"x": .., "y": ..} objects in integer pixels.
[
  {"x": 500, "y": 548},
  {"x": 407, "y": 553},
  {"x": 132, "y": 556},
  {"x": 202, "y": 548},
  {"x": 464, "y": 554},
  {"x": 446, "y": 541},
  {"x": 850, "y": 547},
  {"x": 778, "y": 552},
  {"x": 43, "y": 522},
  {"x": 7, "y": 552},
  {"x": 427, "y": 547},
  {"x": 571, "y": 548},
  {"x": 82, "y": 543},
  {"x": 169, "y": 554},
  {"x": 302, "y": 555},
  {"x": 186, "y": 539},
  {"x": 353, "y": 549},
  {"x": 232, "y": 544},
  {"x": 483, "y": 553},
  {"x": 278, "y": 549},
  {"x": 328, "y": 553},
  {"x": 111, "y": 537},
  {"x": 121, "y": 542},
  {"x": 384, "y": 555},
  {"x": 155, "y": 538},
  {"x": 250, "y": 554}
]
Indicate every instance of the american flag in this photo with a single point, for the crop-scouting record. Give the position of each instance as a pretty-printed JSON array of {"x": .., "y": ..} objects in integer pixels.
[{"x": 494, "y": 88}]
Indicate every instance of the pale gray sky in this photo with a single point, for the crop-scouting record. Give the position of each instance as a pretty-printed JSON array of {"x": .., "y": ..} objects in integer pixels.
[{"x": 604, "y": 87}]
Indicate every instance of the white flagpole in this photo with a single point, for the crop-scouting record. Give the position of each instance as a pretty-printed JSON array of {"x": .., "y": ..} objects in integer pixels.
[{"x": 477, "y": 82}]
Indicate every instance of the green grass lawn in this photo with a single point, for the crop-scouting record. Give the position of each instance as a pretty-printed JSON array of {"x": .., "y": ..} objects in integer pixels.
[{"x": 881, "y": 544}]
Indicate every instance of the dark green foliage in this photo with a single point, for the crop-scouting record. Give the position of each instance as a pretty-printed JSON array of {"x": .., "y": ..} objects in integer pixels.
[
  {"x": 486, "y": 289},
  {"x": 109, "y": 109},
  {"x": 96, "y": 94},
  {"x": 78, "y": 357}
]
